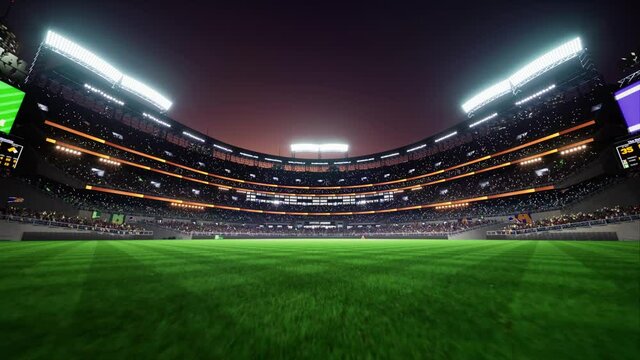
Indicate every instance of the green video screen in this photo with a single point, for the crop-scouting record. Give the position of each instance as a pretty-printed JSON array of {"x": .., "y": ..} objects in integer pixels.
[{"x": 10, "y": 101}]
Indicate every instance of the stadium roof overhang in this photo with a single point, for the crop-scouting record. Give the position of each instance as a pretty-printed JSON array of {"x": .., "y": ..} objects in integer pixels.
[
  {"x": 535, "y": 68},
  {"x": 110, "y": 73},
  {"x": 95, "y": 65}
]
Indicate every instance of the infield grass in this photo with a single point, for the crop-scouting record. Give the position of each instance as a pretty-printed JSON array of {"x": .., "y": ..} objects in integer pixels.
[{"x": 320, "y": 299}]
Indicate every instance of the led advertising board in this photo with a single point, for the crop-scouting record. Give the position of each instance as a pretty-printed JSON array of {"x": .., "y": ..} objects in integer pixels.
[{"x": 629, "y": 102}]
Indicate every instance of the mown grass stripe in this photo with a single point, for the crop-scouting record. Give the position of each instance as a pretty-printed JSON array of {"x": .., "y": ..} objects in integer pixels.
[
  {"x": 319, "y": 299},
  {"x": 38, "y": 303}
]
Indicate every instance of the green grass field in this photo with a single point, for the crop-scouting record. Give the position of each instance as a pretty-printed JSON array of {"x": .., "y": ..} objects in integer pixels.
[{"x": 320, "y": 299}]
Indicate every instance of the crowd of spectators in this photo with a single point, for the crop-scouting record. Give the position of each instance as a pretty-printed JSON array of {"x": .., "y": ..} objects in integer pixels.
[
  {"x": 534, "y": 202},
  {"x": 522, "y": 125},
  {"x": 605, "y": 213},
  {"x": 123, "y": 126},
  {"x": 53, "y": 218},
  {"x": 511, "y": 178},
  {"x": 336, "y": 229}
]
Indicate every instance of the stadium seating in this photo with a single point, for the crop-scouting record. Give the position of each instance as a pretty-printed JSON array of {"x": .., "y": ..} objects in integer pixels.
[{"x": 119, "y": 159}]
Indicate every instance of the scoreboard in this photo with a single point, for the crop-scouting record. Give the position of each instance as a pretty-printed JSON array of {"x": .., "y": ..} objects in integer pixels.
[
  {"x": 628, "y": 153},
  {"x": 9, "y": 153},
  {"x": 10, "y": 101}
]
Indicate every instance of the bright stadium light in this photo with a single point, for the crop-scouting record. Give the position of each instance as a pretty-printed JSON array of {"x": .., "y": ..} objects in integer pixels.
[
  {"x": 365, "y": 160},
  {"x": 341, "y": 148},
  {"x": 273, "y": 160},
  {"x": 222, "y": 148},
  {"x": 446, "y": 136},
  {"x": 483, "y": 120},
  {"x": 537, "y": 67},
  {"x": 193, "y": 136},
  {"x": 417, "y": 148},
  {"x": 249, "y": 155},
  {"x": 319, "y": 163},
  {"x": 548, "y": 61},
  {"x": 103, "y": 94},
  {"x": 82, "y": 56},
  {"x": 97, "y": 65},
  {"x": 297, "y": 162},
  {"x": 149, "y": 116},
  {"x": 137, "y": 88},
  {"x": 305, "y": 148},
  {"x": 537, "y": 94},
  {"x": 487, "y": 96},
  {"x": 342, "y": 162},
  {"x": 389, "y": 155},
  {"x": 328, "y": 148}
]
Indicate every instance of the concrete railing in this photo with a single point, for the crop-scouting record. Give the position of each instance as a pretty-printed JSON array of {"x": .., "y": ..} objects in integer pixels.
[
  {"x": 83, "y": 227},
  {"x": 560, "y": 227}
]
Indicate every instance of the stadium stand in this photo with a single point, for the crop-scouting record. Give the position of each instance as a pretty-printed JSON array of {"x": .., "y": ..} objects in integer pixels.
[
  {"x": 618, "y": 223},
  {"x": 96, "y": 147}
]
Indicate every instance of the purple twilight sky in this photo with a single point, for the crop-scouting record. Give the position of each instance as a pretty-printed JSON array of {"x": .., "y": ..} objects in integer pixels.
[{"x": 375, "y": 74}]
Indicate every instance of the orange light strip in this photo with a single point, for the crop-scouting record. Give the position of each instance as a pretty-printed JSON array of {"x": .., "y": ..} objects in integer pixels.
[
  {"x": 215, "y": 206},
  {"x": 519, "y": 147},
  {"x": 412, "y": 187}
]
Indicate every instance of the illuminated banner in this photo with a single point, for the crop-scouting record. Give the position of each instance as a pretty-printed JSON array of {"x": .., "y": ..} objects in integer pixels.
[
  {"x": 628, "y": 153},
  {"x": 10, "y": 101},
  {"x": 629, "y": 102},
  {"x": 117, "y": 219}
]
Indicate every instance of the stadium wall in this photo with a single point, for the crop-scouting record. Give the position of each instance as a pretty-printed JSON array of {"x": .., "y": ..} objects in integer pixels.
[
  {"x": 39, "y": 235},
  {"x": 34, "y": 199},
  {"x": 15, "y": 231},
  {"x": 591, "y": 236},
  {"x": 162, "y": 233},
  {"x": 478, "y": 233},
  {"x": 629, "y": 231}
]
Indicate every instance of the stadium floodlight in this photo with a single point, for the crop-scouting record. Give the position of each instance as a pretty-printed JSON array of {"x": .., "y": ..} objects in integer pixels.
[
  {"x": 483, "y": 120},
  {"x": 537, "y": 94},
  {"x": 97, "y": 65},
  {"x": 544, "y": 63},
  {"x": 148, "y": 116},
  {"x": 389, "y": 155},
  {"x": 342, "y": 162},
  {"x": 417, "y": 148},
  {"x": 222, "y": 148},
  {"x": 297, "y": 162},
  {"x": 487, "y": 96},
  {"x": 327, "y": 148},
  {"x": 249, "y": 155},
  {"x": 446, "y": 136},
  {"x": 305, "y": 148},
  {"x": 319, "y": 163},
  {"x": 537, "y": 67},
  {"x": 103, "y": 94},
  {"x": 365, "y": 160},
  {"x": 145, "y": 92},
  {"x": 193, "y": 136},
  {"x": 273, "y": 160},
  {"x": 81, "y": 56}
]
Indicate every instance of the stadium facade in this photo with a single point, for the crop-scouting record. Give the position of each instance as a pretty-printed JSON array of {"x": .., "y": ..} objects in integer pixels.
[{"x": 543, "y": 141}]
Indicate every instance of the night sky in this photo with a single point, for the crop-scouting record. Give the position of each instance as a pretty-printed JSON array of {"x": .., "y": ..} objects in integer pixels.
[{"x": 375, "y": 74}]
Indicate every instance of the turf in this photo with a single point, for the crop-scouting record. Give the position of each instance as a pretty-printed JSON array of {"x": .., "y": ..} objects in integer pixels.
[{"x": 320, "y": 299}]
